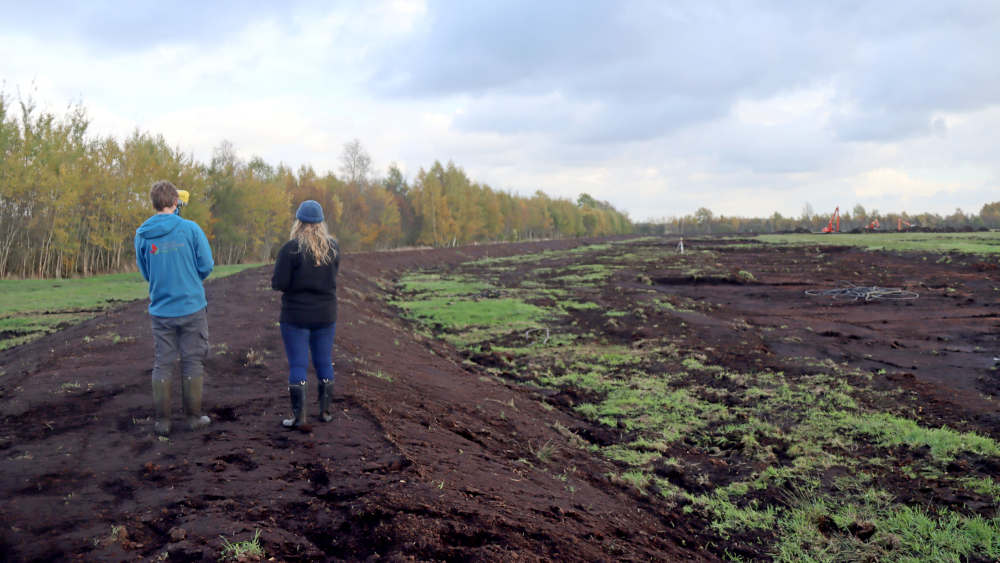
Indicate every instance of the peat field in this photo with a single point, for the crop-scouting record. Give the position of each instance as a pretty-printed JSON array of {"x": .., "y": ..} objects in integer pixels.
[{"x": 546, "y": 401}]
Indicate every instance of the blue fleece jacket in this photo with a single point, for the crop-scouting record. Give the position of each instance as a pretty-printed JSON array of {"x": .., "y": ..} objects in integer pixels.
[{"x": 173, "y": 255}]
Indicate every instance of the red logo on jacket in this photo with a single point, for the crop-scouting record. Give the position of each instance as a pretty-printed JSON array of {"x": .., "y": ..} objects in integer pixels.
[{"x": 153, "y": 248}]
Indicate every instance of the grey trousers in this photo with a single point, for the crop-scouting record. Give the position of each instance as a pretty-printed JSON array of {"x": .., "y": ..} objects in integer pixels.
[{"x": 185, "y": 336}]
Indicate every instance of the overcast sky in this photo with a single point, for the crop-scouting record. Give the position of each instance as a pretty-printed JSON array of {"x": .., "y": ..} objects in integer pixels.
[{"x": 659, "y": 107}]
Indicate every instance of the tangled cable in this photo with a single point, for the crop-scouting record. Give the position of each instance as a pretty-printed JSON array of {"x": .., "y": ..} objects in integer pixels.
[{"x": 865, "y": 293}]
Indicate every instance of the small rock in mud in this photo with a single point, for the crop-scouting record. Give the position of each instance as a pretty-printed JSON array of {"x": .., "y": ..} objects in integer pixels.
[{"x": 177, "y": 534}]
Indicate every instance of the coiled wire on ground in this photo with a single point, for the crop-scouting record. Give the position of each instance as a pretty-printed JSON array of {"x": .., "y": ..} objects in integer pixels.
[{"x": 851, "y": 292}]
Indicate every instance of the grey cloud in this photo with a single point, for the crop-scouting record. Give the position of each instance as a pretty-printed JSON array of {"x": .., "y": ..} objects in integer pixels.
[
  {"x": 765, "y": 156},
  {"x": 881, "y": 124},
  {"x": 655, "y": 67},
  {"x": 586, "y": 122},
  {"x": 482, "y": 46},
  {"x": 517, "y": 115},
  {"x": 912, "y": 63},
  {"x": 620, "y": 123},
  {"x": 109, "y": 27},
  {"x": 767, "y": 150}
]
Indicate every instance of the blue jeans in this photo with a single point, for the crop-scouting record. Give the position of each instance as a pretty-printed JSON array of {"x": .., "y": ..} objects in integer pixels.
[{"x": 299, "y": 342}]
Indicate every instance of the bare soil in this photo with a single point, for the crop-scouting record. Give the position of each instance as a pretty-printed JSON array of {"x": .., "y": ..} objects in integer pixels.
[{"x": 413, "y": 466}]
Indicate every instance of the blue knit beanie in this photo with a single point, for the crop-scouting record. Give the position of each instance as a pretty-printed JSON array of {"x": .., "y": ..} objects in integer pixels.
[{"x": 309, "y": 212}]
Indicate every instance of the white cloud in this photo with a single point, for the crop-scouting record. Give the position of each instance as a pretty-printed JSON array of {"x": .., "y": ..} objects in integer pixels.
[
  {"x": 787, "y": 108},
  {"x": 890, "y": 182}
]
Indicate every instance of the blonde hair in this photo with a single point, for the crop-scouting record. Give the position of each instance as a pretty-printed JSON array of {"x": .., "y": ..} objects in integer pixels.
[{"x": 314, "y": 241}]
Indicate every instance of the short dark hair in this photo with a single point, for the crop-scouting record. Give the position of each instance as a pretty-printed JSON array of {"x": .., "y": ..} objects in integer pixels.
[{"x": 163, "y": 194}]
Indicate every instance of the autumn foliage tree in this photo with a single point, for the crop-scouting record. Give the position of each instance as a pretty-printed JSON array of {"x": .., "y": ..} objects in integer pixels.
[{"x": 70, "y": 203}]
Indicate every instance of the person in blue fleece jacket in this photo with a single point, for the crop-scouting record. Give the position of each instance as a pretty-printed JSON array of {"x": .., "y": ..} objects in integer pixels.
[{"x": 174, "y": 257}]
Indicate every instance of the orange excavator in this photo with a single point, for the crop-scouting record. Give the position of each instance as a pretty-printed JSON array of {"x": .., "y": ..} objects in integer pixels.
[
  {"x": 831, "y": 227},
  {"x": 873, "y": 226},
  {"x": 900, "y": 223}
]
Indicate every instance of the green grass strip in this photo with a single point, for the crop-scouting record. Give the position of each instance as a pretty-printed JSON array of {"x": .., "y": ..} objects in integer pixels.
[
  {"x": 33, "y": 308},
  {"x": 971, "y": 243},
  {"x": 890, "y": 430}
]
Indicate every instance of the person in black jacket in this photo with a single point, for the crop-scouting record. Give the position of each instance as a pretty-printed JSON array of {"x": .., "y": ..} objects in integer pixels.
[{"x": 306, "y": 274}]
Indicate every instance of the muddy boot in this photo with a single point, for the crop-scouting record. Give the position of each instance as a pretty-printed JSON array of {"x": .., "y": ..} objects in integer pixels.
[
  {"x": 191, "y": 387},
  {"x": 325, "y": 395},
  {"x": 161, "y": 406},
  {"x": 297, "y": 394}
]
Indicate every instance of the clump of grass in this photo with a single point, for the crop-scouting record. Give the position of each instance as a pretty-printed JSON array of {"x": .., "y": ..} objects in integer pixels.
[
  {"x": 118, "y": 533},
  {"x": 441, "y": 285},
  {"x": 254, "y": 358},
  {"x": 868, "y": 526},
  {"x": 630, "y": 456},
  {"x": 570, "y": 305},
  {"x": 982, "y": 485},
  {"x": 247, "y": 550},
  {"x": 379, "y": 374},
  {"x": 583, "y": 275},
  {"x": 452, "y": 314},
  {"x": 464, "y": 311},
  {"x": 544, "y": 452},
  {"x": 636, "y": 478},
  {"x": 728, "y": 516},
  {"x": 694, "y": 364},
  {"x": 944, "y": 443}
]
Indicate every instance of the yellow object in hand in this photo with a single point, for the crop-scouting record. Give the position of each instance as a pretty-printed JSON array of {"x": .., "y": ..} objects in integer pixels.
[{"x": 182, "y": 197}]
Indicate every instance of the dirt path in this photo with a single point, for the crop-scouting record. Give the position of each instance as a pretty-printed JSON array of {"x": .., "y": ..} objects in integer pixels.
[{"x": 424, "y": 459}]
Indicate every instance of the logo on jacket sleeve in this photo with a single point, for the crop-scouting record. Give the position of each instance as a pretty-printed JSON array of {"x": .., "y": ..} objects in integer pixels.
[{"x": 153, "y": 249}]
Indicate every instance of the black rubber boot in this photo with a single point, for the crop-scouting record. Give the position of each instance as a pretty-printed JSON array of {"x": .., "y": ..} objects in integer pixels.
[
  {"x": 161, "y": 406},
  {"x": 325, "y": 395},
  {"x": 297, "y": 395},
  {"x": 191, "y": 388}
]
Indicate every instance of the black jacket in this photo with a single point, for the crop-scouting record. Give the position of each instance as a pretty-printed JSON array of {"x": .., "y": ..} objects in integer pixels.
[{"x": 309, "y": 297}]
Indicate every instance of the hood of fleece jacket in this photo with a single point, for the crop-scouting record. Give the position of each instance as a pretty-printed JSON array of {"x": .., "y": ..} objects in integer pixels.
[{"x": 158, "y": 226}]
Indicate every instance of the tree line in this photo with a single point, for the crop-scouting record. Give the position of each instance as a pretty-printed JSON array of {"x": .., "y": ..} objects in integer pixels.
[
  {"x": 704, "y": 221},
  {"x": 70, "y": 202}
]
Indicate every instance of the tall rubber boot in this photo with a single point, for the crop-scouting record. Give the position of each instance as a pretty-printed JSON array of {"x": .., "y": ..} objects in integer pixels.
[
  {"x": 161, "y": 406},
  {"x": 325, "y": 394},
  {"x": 192, "y": 387},
  {"x": 297, "y": 395}
]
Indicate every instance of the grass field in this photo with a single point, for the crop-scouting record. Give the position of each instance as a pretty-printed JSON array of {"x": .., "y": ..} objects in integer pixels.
[
  {"x": 971, "y": 243},
  {"x": 33, "y": 308}
]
